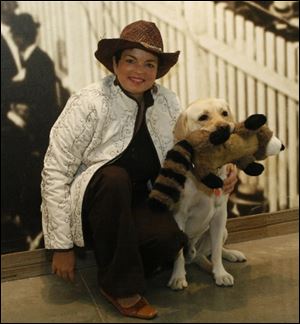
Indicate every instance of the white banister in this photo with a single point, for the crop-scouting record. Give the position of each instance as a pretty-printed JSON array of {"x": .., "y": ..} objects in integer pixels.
[{"x": 241, "y": 62}]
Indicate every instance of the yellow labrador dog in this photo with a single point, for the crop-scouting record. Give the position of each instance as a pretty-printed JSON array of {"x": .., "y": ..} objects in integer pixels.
[{"x": 202, "y": 212}]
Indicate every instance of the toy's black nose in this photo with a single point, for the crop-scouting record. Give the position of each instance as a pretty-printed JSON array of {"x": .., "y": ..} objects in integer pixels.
[
  {"x": 220, "y": 135},
  {"x": 282, "y": 147}
]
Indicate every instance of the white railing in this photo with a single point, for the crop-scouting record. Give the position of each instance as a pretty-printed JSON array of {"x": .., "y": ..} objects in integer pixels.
[{"x": 222, "y": 55}]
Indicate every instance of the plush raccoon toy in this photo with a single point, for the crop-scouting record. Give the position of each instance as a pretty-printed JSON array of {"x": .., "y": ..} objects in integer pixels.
[
  {"x": 171, "y": 179},
  {"x": 202, "y": 153}
]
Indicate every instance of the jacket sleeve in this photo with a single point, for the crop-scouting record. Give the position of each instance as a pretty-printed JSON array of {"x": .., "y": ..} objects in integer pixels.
[
  {"x": 176, "y": 108},
  {"x": 69, "y": 138}
]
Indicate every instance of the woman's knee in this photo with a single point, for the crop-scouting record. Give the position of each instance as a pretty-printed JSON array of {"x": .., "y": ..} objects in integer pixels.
[
  {"x": 169, "y": 243},
  {"x": 111, "y": 178},
  {"x": 115, "y": 176},
  {"x": 108, "y": 185}
]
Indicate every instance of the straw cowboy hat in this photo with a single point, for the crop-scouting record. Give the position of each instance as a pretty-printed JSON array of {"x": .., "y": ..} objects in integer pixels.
[{"x": 140, "y": 34}]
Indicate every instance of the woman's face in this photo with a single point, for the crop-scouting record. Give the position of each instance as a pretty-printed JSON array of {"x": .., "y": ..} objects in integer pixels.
[{"x": 136, "y": 71}]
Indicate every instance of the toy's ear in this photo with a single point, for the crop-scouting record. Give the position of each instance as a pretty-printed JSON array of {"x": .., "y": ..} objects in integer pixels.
[
  {"x": 212, "y": 181},
  {"x": 254, "y": 169},
  {"x": 180, "y": 130},
  {"x": 255, "y": 121}
]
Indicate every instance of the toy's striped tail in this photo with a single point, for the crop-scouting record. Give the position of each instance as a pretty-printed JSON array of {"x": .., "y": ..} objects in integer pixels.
[{"x": 171, "y": 179}]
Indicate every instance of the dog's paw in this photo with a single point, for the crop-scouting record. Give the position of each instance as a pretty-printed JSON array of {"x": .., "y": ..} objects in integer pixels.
[
  {"x": 224, "y": 279},
  {"x": 177, "y": 283},
  {"x": 233, "y": 255}
]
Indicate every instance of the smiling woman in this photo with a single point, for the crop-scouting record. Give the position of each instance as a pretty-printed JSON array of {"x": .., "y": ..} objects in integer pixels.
[
  {"x": 104, "y": 176},
  {"x": 136, "y": 71},
  {"x": 95, "y": 187}
]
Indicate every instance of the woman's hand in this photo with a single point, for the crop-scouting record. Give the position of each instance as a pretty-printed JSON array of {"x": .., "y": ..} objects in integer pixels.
[
  {"x": 231, "y": 180},
  {"x": 63, "y": 265}
]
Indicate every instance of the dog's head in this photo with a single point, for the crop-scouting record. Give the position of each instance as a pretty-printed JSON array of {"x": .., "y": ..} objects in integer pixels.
[{"x": 210, "y": 114}]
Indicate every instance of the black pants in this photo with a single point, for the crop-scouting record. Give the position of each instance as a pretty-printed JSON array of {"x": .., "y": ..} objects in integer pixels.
[{"x": 129, "y": 240}]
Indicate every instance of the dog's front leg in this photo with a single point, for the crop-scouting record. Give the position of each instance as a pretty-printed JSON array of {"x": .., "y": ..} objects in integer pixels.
[
  {"x": 178, "y": 279},
  {"x": 217, "y": 227}
]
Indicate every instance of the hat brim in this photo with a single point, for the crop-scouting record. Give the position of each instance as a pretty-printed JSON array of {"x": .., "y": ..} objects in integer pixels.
[
  {"x": 277, "y": 13},
  {"x": 108, "y": 47}
]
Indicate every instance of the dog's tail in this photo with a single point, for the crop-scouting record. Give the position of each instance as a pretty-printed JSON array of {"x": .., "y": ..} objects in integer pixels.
[{"x": 171, "y": 179}]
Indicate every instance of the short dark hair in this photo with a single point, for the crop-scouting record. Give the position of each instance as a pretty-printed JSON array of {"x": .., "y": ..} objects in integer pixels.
[{"x": 118, "y": 55}]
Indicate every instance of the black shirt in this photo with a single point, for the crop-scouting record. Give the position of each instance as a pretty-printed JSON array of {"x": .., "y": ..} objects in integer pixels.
[{"x": 140, "y": 157}]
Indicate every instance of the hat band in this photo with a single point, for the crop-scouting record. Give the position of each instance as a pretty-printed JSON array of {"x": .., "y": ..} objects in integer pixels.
[{"x": 158, "y": 49}]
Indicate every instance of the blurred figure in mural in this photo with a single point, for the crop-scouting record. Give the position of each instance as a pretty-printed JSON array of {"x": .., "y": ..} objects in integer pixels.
[
  {"x": 14, "y": 140},
  {"x": 33, "y": 108},
  {"x": 10, "y": 60},
  {"x": 34, "y": 92},
  {"x": 35, "y": 88},
  {"x": 280, "y": 17},
  {"x": 287, "y": 10}
]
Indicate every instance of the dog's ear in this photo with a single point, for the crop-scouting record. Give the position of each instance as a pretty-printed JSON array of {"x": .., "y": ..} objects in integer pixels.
[{"x": 180, "y": 130}]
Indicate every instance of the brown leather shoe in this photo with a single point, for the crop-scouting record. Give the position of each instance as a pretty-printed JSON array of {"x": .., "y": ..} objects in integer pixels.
[{"x": 142, "y": 309}]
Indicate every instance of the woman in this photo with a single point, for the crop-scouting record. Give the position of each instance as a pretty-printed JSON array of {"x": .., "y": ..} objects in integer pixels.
[{"x": 105, "y": 151}]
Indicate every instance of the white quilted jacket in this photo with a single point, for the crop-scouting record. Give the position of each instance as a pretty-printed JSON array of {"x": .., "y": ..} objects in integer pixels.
[{"x": 95, "y": 126}]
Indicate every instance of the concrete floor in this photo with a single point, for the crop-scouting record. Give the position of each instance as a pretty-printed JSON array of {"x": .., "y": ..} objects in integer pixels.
[{"x": 266, "y": 290}]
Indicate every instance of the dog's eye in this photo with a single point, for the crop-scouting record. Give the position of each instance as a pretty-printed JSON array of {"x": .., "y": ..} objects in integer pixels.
[
  {"x": 203, "y": 117},
  {"x": 225, "y": 113}
]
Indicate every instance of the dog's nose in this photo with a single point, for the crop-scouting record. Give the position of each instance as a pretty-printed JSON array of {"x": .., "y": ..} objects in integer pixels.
[{"x": 282, "y": 147}]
